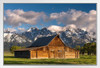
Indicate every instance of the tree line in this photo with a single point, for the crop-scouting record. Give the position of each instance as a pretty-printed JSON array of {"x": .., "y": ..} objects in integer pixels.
[{"x": 88, "y": 48}]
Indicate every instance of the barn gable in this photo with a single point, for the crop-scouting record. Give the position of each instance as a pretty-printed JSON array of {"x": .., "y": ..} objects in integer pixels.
[
  {"x": 56, "y": 41},
  {"x": 43, "y": 41}
]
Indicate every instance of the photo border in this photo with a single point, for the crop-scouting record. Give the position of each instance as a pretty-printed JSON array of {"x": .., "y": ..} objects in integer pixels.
[{"x": 49, "y": 66}]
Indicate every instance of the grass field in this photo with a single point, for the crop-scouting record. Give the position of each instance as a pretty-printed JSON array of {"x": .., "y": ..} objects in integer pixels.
[{"x": 83, "y": 60}]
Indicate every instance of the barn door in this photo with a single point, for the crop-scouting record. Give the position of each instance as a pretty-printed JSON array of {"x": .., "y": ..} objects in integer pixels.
[
  {"x": 52, "y": 54},
  {"x": 60, "y": 54},
  {"x": 33, "y": 54}
]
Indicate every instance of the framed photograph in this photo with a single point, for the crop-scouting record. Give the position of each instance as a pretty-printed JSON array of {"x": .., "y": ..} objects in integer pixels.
[{"x": 49, "y": 34}]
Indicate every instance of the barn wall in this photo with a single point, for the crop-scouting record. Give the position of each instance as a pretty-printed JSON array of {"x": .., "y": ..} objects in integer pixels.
[
  {"x": 71, "y": 53},
  {"x": 39, "y": 53},
  {"x": 77, "y": 54},
  {"x": 22, "y": 54},
  {"x": 42, "y": 54},
  {"x": 33, "y": 54}
]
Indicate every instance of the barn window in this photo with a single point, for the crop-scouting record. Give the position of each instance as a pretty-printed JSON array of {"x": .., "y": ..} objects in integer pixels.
[
  {"x": 52, "y": 50},
  {"x": 66, "y": 49},
  {"x": 70, "y": 50},
  {"x": 59, "y": 50}
]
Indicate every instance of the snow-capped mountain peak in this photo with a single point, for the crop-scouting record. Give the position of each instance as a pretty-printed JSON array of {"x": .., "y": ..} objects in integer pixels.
[
  {"x": 32, "y": 33},
  {"x": 32, "y": 29},
  {"x": 13, "y": 37}
]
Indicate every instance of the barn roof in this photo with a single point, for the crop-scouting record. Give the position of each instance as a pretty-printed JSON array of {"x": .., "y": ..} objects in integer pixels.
[
  {"x": 24, "y": 49},
  {"x": 28, "y": 49},
  {"x": 42, "y": 41}
]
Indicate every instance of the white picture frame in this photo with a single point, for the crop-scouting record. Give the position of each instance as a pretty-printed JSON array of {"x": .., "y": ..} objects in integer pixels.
[{"x": 49, "y": 66}]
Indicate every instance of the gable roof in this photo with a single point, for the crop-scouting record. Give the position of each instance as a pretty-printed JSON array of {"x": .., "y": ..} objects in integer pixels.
[{"x": 43, "y": 41}]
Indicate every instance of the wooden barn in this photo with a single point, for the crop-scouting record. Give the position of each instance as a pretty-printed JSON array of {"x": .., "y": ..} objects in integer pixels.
[{"x": 47, "y": 47}]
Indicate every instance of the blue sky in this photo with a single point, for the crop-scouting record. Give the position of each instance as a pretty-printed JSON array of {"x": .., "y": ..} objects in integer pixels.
[
  {"x": 47, "y": 10},
  {"x": 48, "y": 7}
]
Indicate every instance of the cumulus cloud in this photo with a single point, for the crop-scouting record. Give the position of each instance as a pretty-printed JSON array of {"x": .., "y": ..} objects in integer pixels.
[
  {"x": 15, "y": 30},
  {"x": 18, "y": 17},
  {"x": 81, "y": 19},
  {"x": 10, "y": 30},
  {"x": 21, "y": 29},
  {"x": 55, "y": 28}
]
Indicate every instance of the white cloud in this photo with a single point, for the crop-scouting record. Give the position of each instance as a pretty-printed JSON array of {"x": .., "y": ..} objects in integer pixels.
[
  {"x": 10, "y": 29},
  {"x": 21, "y": 29},
  {"x": 55, "y": 28},
  {"x": 18, "y": 17},
  {"x": 79, "y": 18}
]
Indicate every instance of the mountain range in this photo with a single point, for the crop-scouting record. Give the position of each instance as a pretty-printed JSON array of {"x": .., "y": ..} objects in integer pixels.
[{"x": 71, "y": 36}]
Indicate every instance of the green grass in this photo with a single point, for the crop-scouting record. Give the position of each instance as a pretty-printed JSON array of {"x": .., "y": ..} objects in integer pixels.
[{"x": 83, "y": 60}]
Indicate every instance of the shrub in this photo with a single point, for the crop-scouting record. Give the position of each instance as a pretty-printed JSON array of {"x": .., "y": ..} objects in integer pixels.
[{"x": 13, "y": 48}]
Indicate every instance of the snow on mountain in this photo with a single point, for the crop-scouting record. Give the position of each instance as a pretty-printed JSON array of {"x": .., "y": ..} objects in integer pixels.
[
  {"x": 32, "y": 29},
  {"x": 33, "y": 33},
  {"x": 13, "y": 37},
  {"x": 71, "y": 37}
]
